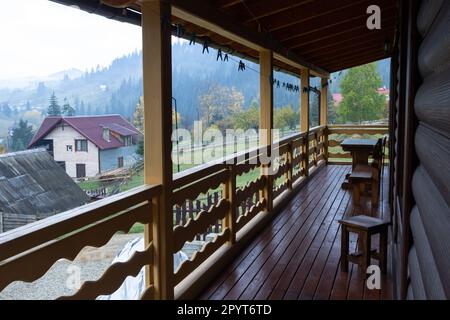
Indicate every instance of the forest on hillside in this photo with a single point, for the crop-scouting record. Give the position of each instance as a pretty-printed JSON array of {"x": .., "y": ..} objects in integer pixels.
[{"x": 117, "y": 88}]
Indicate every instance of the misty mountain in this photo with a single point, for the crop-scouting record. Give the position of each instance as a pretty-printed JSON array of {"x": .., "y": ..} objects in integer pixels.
[{"x": 117, "y": 88}]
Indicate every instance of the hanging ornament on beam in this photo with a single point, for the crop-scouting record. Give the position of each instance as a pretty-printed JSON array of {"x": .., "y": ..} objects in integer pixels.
[
  {"x": 193, "y": 38},
  {"x": 205, "y": 46},
  {"x": 179, "y": 30},
  {"x": 219, "y": 55},
  {"x": 241, "y": 66}
]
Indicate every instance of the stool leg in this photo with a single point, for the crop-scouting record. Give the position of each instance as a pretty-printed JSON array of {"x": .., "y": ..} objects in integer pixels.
[
  {"x": 365, "y": 248},
  {"x": 344, "y": 248},
  {"x": 383, "y": 251}
]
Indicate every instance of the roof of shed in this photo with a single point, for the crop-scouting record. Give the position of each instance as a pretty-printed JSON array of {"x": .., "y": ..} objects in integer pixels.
[{"x": 31, "y": 182}]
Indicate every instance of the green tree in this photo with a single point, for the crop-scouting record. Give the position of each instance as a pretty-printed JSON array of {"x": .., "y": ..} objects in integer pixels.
[
  {"x": 313, "y": 109},
  {"x": 138, "y": 116},
  {"x": 67, "y": 109},
  {"x": 21, "y": 136},
  {"x": 285, "y": 118},
  {"x": 332, "y": 116},
  {"x": 361, "y": 101},
  {"x": 53, "y": 109},
  {"x": 247, "y": 119},
  {"x": 219, "y": 104}
]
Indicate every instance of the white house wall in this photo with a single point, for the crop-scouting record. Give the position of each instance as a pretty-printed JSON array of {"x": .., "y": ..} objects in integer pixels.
[{"x": 67, "y": 136}]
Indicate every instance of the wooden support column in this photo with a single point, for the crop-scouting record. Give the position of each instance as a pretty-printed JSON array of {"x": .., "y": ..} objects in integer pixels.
[
  {"x": 324, "y": 114},
  {"x": 157, "y": 81},
  {"x": 266, "y": 117},
  {"x": 304, "y": 116},
  {"x": 230, "y": 195}
]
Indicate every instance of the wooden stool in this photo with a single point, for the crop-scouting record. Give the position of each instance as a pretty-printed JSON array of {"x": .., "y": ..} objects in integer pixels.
[{"x": 365, "y": 227}]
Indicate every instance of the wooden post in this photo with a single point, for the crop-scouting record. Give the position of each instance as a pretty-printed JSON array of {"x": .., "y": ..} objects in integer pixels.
[
  {"x": 324, "y": 115},
  {"x": 230, "y": 194},
  {"x": 157, "y": 81},
  {"x": 290, "y": 169},
  {"x": 304, "y": 116},
  {"x": 324, "y": 102},
  {"x": 266, "y": 118}
]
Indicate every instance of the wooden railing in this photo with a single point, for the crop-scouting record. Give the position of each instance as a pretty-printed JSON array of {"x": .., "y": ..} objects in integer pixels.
[
  {"x": 230, "y": 218},
  {"x": 337, "y": 133},
  {"x": 28, "y": 252}
]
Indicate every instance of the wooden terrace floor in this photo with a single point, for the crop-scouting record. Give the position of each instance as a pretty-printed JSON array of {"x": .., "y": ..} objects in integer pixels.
[{"x": 297, "y": 255}]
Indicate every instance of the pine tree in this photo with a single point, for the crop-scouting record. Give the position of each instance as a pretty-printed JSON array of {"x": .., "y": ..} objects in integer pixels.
[
  {"x": 67, "y": 109},
  {"x": 138, "y": 115},
  {"x": 21, "y": 136},
  {"x": 53, "y": 109}
]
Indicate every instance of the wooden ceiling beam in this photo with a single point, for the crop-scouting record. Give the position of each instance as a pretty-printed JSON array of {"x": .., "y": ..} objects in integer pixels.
[
  {"x": 387, "y": 20},
  {"x": 227, "y": 3},
  {"x": 332, "y": 46},
  {"x": 265, "y": 8},
  {"x": 333, "y": 67},
  {"x": 335, "y": 19},
  {"x": 348, "y": 49},
  {"x": 353, "y": 35},
  {"x": 209, "y": 17},
  {"x": 358, "y": 54},
  {"x": 326, "y": 35},
  {"x": 309, "y": 11}
]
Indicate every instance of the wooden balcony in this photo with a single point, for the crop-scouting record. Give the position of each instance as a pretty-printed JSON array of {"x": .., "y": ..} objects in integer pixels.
[
  {"x": 278, "y": 233},
  {"x": 297, "y": 255}
]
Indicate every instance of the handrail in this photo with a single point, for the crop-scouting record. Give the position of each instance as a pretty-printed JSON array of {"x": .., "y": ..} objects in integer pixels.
[
  {"x": 336, "y": 155},
  {"x": 26, "y": 253}
]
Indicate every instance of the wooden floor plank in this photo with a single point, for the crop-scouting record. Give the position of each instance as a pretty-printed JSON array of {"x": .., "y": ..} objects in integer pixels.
[
  {"x": 274, "y": 250},
  {"x": 298, "y": 254},
  {"x": 272, "y": 271},
  {"x": 250, "y": 253},
  {"x": 250, "y": 265}
]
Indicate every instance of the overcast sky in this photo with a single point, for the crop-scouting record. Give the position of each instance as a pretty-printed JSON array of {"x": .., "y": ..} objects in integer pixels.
[{"x": 40, "y": 37}]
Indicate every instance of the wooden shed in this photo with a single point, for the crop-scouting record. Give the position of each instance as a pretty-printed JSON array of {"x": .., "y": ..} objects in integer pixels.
[{"x": 33, "y": 187}]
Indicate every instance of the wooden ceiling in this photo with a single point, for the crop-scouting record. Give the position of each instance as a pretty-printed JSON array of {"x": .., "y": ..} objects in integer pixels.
[
  {"x": 330, "y": 34},
  {"x": 323, "y": 35}
]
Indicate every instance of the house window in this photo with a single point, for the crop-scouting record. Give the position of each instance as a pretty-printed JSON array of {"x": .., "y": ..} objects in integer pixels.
[
  {"x": 120, "y": 162},
  {"x": 128, "y": 141},
  {"x": 69, "y": 148},
  {"x": 81, "y": 145}
]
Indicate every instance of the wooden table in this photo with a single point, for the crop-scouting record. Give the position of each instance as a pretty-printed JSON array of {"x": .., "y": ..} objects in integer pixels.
[{"x": 360, "y": 150}]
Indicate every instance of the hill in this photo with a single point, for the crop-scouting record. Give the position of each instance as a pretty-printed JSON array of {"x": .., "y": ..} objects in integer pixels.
[{"x": 117, "y": 88}]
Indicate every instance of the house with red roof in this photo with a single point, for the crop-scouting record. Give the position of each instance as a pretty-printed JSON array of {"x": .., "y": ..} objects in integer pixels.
[{"x": 87, "y": 145}]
